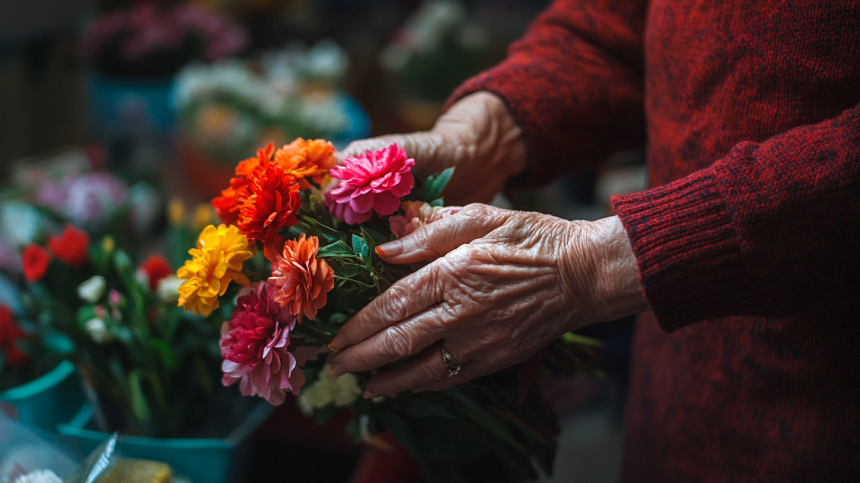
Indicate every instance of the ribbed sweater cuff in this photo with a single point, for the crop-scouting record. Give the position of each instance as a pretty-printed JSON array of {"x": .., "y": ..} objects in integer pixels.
[{"x": 686, "y": 249}]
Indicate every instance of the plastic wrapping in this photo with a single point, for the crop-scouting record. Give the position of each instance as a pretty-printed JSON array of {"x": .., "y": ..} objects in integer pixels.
[{"x": 25, "y": 457}]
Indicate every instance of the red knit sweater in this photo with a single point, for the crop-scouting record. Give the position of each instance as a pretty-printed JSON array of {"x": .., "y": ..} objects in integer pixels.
[{"x": 748, "y": 243}]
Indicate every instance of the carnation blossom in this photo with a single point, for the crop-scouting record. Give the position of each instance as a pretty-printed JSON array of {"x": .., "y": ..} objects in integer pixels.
[
  {"x": 328, "y": 389},
  {"x": 216, "y": 262},
  {"x": 307, "y": 159},
  {"x": 418, "y": 213},
  {"x": 35, "y": 261},
  {"x": 373, "y": 181},
  {"x": 254, "y": 347},
  {"x": 94, "y": 197},
  {"x": 302, "y": 280},
  {"x": 230, "y": 202},
  {"x": 71, "y": 246},
  {"x": 271, "y": 204},
  {"x": 10, "y": 333},
  {"x": 156, "y": 268}
]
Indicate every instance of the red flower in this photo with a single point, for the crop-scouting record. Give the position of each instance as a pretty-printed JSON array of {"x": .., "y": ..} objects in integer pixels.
[
  {"x": 272, "y": 204},
  {"x": 230, "y": 202},
  {"x": 35, "y": 260},
  {"x": 156, "y": 268},
  {"x": 71, "y": 247},
  {"x": 10, "y": 333}
]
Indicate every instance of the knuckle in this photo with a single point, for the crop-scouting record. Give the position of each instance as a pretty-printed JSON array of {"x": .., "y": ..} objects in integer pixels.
[
  {"x": 395, "y": 307},
  {"x": 396, "y": 342},
  {"x": 359, "y": 361},
  {"x": 428, "y": 373}
]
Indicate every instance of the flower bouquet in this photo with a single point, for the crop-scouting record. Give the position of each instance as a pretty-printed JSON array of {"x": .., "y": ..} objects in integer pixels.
[{"x": 298, "y": 236}]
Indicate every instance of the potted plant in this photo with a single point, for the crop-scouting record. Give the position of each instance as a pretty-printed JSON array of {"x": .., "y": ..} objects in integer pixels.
[
  {"x": 228, "y": 109},
  {"x": 36, "y": 389},
  {"x": 150, "y": 370},
  {"x": 135, "y": 52}
]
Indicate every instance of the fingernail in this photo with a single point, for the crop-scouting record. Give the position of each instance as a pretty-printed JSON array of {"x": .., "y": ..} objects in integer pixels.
[
  {"x": 333, "y": 347},
  {"x": 337, "y": 369},
  {"x": 370, "y": 392},
  {"x": 390, "y": 249}
]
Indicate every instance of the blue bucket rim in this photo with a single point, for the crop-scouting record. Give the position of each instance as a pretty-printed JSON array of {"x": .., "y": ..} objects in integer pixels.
[
  {"x": 39, "y": 384},
  {"x": 255, "y": 417}
]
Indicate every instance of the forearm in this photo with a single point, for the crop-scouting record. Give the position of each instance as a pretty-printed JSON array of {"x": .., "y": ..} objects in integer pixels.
[
  {"x": 768, "y": 230},
  {"x": 574, "y": 85}
]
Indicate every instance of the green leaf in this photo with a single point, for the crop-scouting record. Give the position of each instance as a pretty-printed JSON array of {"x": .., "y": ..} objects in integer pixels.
[
  {"x": 325, "y": 232},
  {"x": 349, "y": 270},
  {"x": 435, "y": 184},
  {"x": 360, "y": 247},
  {"x": 139, "y": 406},
  {"x": 166, "y": 352},
  {"x": 570, "y": 339},
  {"x": 338, "y": 249},
  {"x": 437, "y": 202},
  {"x": 58, "y": 342},
  {"x": 377, "y": 236},
  {"x": 85, "y": 314}
]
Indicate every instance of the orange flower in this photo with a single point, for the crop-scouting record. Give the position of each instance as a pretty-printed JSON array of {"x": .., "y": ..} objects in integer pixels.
[
  {"x": 230, "y": 202},
  {"x": 271, "y": 204},
  {"x": 302, "y": 281},
  {"x": 306, "y": 159}
]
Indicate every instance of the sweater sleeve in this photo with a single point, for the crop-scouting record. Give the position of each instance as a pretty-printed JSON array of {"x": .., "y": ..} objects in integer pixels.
[
  {"x": 771, "y": 229},
  {"x": 574, "y": 85}
]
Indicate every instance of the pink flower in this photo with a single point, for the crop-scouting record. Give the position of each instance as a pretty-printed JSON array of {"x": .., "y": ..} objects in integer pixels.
[
  {"x": 374, "y": 181},
  {"x": 254, "y": 347},
  {"x": 418, "y": 213}
]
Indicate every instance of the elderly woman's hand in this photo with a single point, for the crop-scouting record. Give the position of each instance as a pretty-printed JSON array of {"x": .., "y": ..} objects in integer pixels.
[
  {"x": 477, "y": 135},
  {"x": 501, "y": 285}
]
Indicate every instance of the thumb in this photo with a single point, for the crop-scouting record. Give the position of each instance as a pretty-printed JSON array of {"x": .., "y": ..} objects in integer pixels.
[{"x": 434, "y": 240}]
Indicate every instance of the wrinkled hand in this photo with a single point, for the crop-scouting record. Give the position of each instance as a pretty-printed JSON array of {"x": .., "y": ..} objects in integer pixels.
[
  {"x": 501, "y": 285},
  {"x": 477, "y": 135}
]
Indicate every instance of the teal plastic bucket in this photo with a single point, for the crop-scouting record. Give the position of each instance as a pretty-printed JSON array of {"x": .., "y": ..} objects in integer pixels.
[
  {"x": 48, "y": 400},
  {"x": 202, "y": 460}
]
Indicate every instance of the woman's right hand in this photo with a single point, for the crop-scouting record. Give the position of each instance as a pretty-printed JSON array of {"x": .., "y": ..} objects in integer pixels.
[{"x": 477, "y": 136}]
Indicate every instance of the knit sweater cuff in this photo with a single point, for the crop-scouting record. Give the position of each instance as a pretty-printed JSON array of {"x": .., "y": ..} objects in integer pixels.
[{"x": 686, "y": 249}]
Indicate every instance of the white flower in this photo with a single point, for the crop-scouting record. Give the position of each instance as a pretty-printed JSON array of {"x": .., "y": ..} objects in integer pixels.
[
  {"x": 92, "y": 289},
  {"x": 98, "y": 330},
  {"x": 39, "y": 476},
  {"x": 168, "y": 288},
  {"x": 325, "y": 60},
  {"x": 340, "y": 391}
]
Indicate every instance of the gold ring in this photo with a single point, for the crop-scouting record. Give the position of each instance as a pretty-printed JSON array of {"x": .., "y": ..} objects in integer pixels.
[{"x": 451, "y": 364}]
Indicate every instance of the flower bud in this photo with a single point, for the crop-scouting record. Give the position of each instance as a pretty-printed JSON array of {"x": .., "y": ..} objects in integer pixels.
[
  {"x": 98, "y": 330},
  {"x": 92, "y": 289},
  {"x": 168, "y": 289}
]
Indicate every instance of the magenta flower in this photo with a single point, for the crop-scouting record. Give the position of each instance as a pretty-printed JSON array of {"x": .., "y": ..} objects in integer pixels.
[
  {"x": 254, "y": 347},
  {"x": 374, "y": 181}
]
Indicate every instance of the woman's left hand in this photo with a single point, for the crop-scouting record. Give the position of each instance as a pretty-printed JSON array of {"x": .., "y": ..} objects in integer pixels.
[{"x": 500, "y": 286}]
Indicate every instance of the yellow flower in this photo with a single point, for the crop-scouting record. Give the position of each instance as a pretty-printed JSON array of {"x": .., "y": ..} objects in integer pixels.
[{"x": 216, "y": 262}]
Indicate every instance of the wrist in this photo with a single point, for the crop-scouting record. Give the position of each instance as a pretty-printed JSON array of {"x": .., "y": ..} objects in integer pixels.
[
  {"x": 486, "y": 134},
  {"x": 615, "y": 275}
]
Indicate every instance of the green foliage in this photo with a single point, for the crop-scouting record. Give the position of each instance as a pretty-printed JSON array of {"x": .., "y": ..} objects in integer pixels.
[{"x": 434, "y": 186}]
